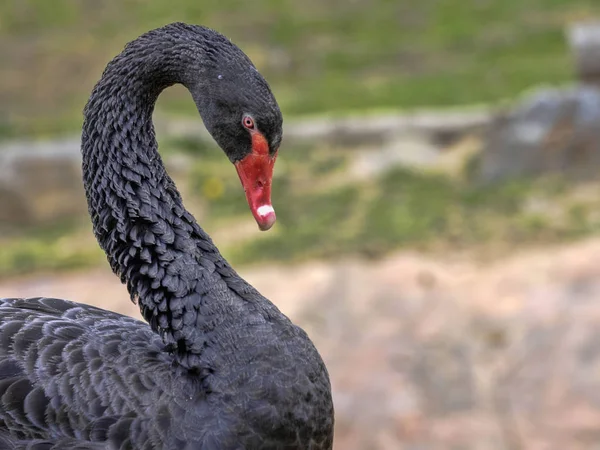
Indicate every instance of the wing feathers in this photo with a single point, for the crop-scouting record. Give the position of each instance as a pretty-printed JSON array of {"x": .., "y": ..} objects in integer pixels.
[{"x": 64, "y": 367}]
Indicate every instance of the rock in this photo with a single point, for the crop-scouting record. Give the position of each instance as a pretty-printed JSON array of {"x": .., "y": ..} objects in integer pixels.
[
  {"x": 409, "y": 151},
  {"x": 439, "y": 127},
  {"x": 551, "y": 131},
  {"x": 41, "y": 182},
  {"x": 584, "y": 39}
]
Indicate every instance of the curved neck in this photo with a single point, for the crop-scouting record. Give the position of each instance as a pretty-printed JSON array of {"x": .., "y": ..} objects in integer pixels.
[{"x": 153, "y": 243}]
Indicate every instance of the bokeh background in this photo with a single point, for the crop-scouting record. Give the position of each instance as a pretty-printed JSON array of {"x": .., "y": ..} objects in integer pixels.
[{"x": 437, "y": 195}]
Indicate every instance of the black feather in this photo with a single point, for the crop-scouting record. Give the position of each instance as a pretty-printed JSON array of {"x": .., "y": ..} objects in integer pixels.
[{"x": 217, "y": 366}]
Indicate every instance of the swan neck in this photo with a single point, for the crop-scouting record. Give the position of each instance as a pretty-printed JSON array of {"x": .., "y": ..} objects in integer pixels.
[{"x": 170, "y": 265}]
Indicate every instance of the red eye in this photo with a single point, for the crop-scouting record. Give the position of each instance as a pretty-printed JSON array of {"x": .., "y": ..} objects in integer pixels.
[{"x": 248, "y": 122}]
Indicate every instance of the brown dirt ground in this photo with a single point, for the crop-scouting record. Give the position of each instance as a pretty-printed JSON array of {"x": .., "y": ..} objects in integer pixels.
[{"x": 427, "y": 353}]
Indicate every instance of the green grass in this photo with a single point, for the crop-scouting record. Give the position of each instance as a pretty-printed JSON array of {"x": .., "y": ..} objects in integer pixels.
[
  {"x": 428, "y": 212},
  {"x": 320, "y": 56},
  {"x": 320, "y": 216},
  {"x": 52, "y": 248}
]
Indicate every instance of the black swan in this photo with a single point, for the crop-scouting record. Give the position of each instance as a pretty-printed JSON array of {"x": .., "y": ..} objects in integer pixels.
[{"x": 219, "y": 366}]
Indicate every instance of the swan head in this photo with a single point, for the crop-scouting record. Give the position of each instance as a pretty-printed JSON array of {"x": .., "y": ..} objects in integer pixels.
[{"x": 241, "y": 114}]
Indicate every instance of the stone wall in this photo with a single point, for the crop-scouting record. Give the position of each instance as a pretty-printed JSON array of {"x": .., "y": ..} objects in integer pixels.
[{"x": 40, "y": 182}]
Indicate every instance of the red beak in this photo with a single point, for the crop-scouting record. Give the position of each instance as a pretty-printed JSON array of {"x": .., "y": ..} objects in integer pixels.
[{"x": 256, "y": 174}]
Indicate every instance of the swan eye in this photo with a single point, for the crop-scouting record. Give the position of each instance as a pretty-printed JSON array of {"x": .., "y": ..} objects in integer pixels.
[{"x": 248, "y": 122}]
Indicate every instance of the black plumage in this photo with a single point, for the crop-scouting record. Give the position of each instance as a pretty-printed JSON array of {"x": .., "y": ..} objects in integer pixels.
[{"x": 218, "y": 366}]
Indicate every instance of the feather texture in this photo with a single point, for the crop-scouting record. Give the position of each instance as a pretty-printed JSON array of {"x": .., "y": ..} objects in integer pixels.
[{"x": 217, "y": 365}]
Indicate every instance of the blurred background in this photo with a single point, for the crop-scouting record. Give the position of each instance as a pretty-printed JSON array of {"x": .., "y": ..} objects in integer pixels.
[{"x": 437, "y": 197}]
